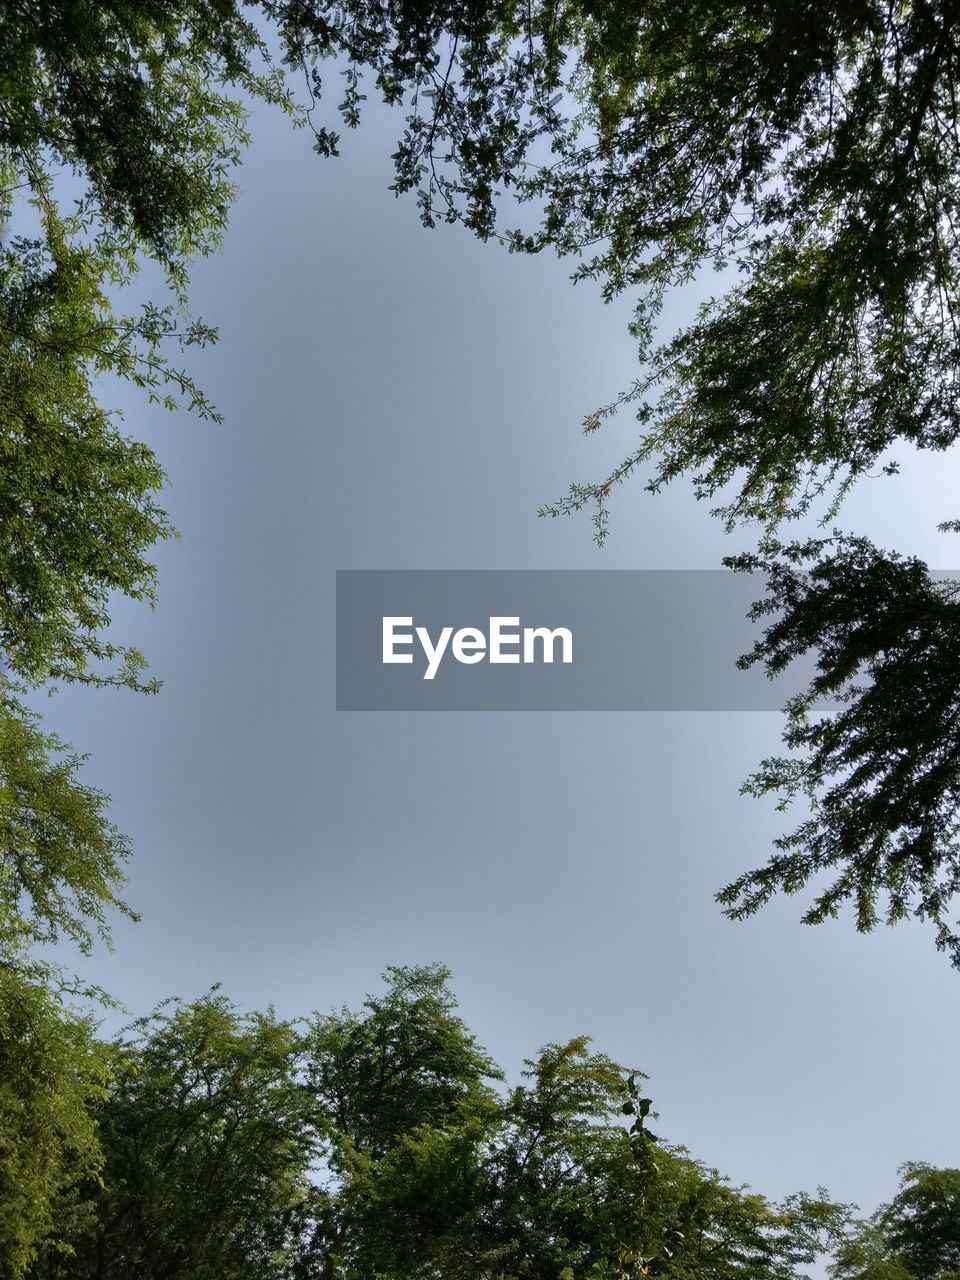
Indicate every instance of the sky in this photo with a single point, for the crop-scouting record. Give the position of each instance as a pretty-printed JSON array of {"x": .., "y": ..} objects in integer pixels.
[{"x": 403, "y": 398}]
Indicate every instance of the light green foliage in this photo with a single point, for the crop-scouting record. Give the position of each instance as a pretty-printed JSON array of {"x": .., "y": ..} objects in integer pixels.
[
  {"x": 77, "y": 504},
  {"x": 914, "y": 1237},
  {"x": 52, "y": 1075},
  {"x": 60, "y": 859}
]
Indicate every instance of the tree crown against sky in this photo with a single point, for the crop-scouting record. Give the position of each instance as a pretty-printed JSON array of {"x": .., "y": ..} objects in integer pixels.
[
  {"x": 816, "y": 152},
  {"x": 916, "y": 1236},
  {"x": 383, "y": 1142}
]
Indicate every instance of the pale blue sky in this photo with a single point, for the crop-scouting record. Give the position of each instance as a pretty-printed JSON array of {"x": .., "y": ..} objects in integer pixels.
[{"x": 402, "y": 399}]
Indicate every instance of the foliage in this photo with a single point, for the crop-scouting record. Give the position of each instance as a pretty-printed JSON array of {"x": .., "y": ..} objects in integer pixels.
[
  {"x": 382, "y": 1143},
  {"x": 914, "y": 1237},
  {"x": 207, "y": 1145},
  {"x": 60, "y": 859},
  {"x": 435, "y": 1167},
  {"x": 53, "y": 1074},
  {"x": 881, "y": 767}
]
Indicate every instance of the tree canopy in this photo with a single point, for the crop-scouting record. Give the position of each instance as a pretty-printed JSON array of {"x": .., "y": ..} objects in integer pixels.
[
  {"x": 384, "y": 1142},
  {"x": 810, "y": 155},
  {"x": 916, "y": 1236}
]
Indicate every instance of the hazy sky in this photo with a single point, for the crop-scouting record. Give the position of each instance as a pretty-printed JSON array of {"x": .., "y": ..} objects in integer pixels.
[{"x": 396, "y": 398}]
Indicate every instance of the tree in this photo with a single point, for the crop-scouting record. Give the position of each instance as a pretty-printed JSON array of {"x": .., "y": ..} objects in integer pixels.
[
  {"x": 207, "y": 1142},
  {"x": 815, "y": 153},
  {"x": 117, "y": 134},
  {"x": 53, "y": 1073},
  {"x": 914, "y": 1237},
  {"x": 436, "y": 1167},
  {"x": 402, "y": 1069},
  {"x": 384, "y": 1144}
]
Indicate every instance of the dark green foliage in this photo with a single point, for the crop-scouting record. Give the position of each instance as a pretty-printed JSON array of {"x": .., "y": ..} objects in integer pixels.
[
  {"x": 130, "y": 95},
  {"x": 914, "y": 1237},
  {"x": 362, "y": 1064},
  {"x": 881, "y": 768},
  {"x": 471, "y": 78}
]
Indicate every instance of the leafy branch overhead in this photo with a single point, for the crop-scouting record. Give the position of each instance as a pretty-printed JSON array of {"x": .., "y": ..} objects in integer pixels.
[
  {"x": 811, "y": 150},
  {"x": 810, "y": 155},
  {"x": 881, "y": 767}
]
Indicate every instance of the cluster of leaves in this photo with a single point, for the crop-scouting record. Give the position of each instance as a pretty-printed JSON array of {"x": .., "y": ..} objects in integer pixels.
[
  {"x": 914, "y": 1237},
  {"x": 479, "y": 84},
  {"x": 385, "y": 1143},
  {"x": 881, "y": 768}
]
